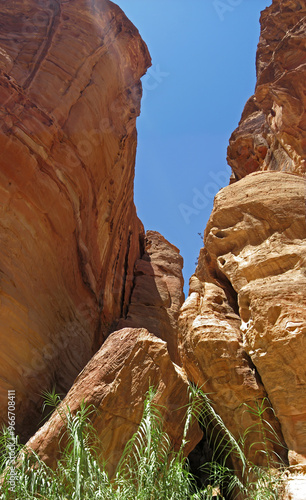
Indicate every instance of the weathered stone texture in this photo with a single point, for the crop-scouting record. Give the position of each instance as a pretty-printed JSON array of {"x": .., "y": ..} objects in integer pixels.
[
  {"x": 243, "y": 325},
  {"x": 272, "y": 130},
  {"x": 69, "y": 235},
  {"x": 214, "y": 358},
  {"x": 158, "y": 292},
  {"x": 256, "y": 238},
  {"x": 115, "y": 382},
  {"x": 254, "y": 249}
]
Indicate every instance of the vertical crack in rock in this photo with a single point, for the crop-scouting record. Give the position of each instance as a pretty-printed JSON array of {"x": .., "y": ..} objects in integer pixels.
[{"x": 124, "y": 299}]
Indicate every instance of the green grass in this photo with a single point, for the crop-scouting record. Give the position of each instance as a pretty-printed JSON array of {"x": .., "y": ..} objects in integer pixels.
[
  {"x": 149, "y": 469},
  {"x": 250, "y": 482}
]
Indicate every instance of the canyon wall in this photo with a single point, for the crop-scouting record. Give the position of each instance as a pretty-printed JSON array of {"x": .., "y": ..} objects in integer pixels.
[
  {"x": 75, "y": 262},
  {"x": 70, "y": 93},
  {"x": 242, "y": 328},
  {"x": 271, "y": 133},
  {"x": 85, "y": 293}
]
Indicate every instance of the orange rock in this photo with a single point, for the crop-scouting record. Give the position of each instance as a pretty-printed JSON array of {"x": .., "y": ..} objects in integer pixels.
[
  {"x": 158, "y": 292},
  {"x": 271, "y": 133},
  {"x": 70, "y": 93},
  {"x": 115, "y": 381}
]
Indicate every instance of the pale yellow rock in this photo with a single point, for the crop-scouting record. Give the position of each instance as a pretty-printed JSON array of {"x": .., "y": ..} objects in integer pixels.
[
  {"x": 213, "y": 356},
  {"x": 255, "y": 249},
  {"x": 259, "y": 244}
]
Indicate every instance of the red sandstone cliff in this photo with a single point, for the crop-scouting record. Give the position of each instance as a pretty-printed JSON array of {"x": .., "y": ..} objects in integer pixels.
[
  {"x": 70, "y": 93},
  {"x": 75, "y": 264},
  {"x": 74, "y": 260},
  {"x": 271, "y": 133}
]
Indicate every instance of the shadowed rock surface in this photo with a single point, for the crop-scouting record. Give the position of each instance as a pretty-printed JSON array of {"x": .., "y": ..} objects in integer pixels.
[{"x": 157, "y": 295}]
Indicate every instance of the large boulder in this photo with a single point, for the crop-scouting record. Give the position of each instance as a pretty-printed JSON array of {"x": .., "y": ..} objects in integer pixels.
[{"x": 115, "y": 382}]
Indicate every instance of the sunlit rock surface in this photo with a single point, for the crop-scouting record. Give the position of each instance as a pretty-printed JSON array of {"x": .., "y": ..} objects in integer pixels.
[
  {"x": 70, "y": 93},
  {"x": 242, "y": 328},
  {"x": 256, "y": 239},
  {"x": 74, "y": 261},
  {"x": 272, "y": 130},
  {"x": 115, "y": 382}
]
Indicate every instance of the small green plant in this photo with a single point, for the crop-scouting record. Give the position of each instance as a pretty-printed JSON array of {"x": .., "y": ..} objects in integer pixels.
[{"x": 51, "y": 399}]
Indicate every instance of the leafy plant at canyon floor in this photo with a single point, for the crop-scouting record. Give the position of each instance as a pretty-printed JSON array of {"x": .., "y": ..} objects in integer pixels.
[
  {"x": 251, "y": 482},
  {"x": 149, "y": 469}
]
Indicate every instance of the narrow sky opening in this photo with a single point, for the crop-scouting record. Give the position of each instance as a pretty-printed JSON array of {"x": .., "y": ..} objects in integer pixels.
[{"x": 203, "y": 72}]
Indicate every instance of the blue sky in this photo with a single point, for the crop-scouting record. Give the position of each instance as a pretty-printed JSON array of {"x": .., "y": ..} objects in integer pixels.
[{"x": 203, "y": 72}]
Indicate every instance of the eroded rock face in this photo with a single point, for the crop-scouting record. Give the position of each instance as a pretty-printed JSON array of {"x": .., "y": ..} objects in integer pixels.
[
  {"x": 158, "y": 292},
  {"x": 255, "y": 247},
  {"x": 243, "y": 324},
  {"x": 115, "y": 381},
  {"x": 70, "y": 93},
  {"x": 272, "y": 130},
  {"x": 214, "y": 358},
  {"x": 256, "y": 238}
]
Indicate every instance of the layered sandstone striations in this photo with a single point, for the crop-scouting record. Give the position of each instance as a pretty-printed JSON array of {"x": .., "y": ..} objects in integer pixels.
[
  {"x": 243, "y": 325},
  {"x": 115, "y": 382},
  {"x": 74, "y": 261},
  {"x": 158, "y": 292},
  {"x": 70, "y": 93},
  {"x": 256, "y": 240},
  {"x": 272, "y": 130},
  {"x": 214, "y": 357}
]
